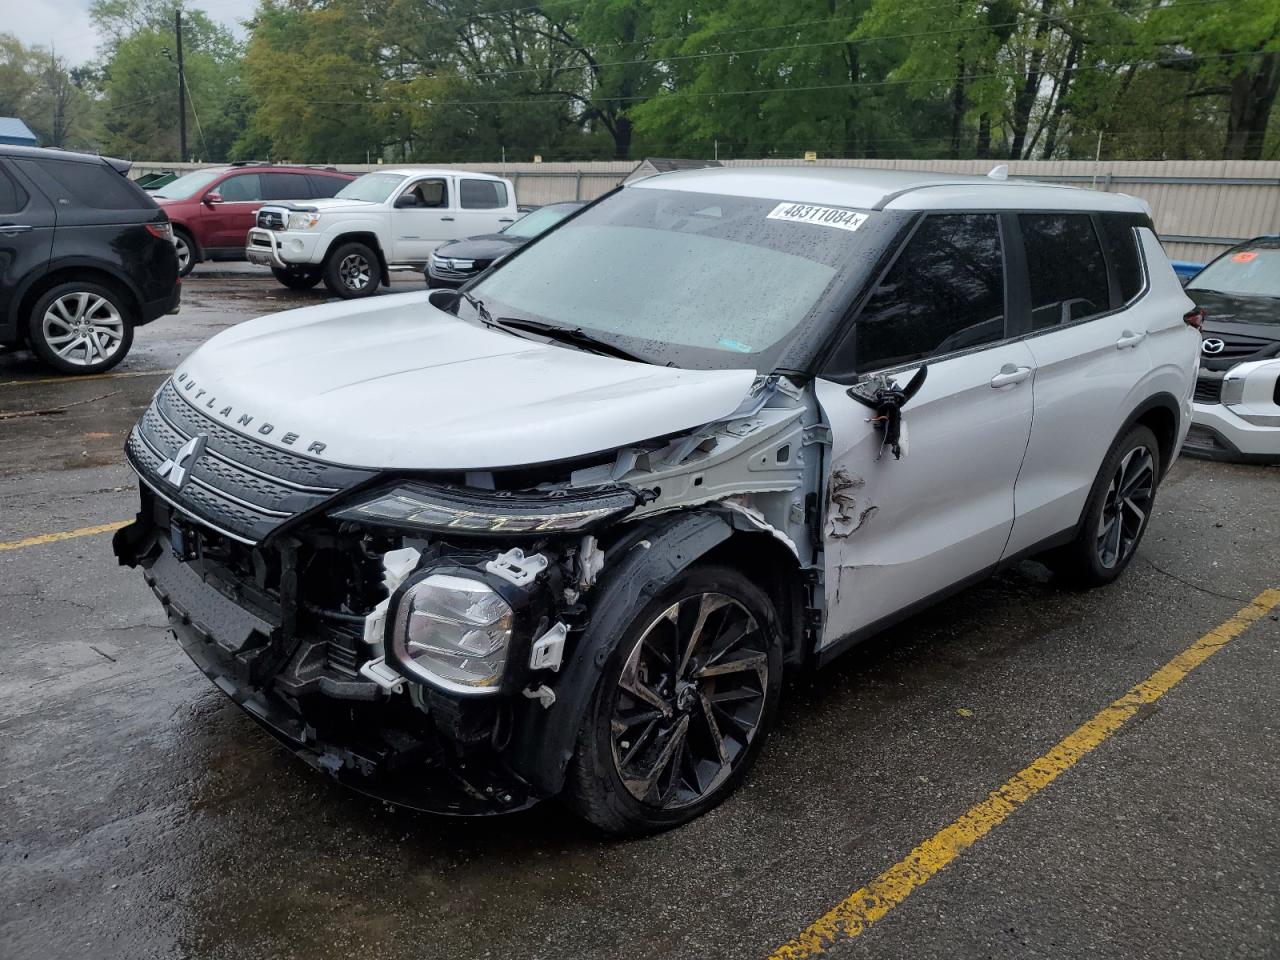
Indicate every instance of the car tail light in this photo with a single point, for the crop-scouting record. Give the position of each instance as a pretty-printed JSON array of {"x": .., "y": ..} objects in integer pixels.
[
  {"x": 162, "y": 231},
  {"x": 1194, "y": 318}
]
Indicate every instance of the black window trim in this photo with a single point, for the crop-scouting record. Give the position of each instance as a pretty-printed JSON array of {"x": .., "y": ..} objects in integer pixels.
[
  {"x": 1017, "y": 290},
  {"x": 849, "y": 325},
  {"x": 21, "y": 190},
  {"x": 1113, "y": 282}
]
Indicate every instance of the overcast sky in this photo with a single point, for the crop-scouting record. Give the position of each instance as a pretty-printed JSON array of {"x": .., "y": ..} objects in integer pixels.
[{"x": 65, "y": 25}]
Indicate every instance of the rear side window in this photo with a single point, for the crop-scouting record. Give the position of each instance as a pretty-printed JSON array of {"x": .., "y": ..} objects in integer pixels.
[
  {"x": 945, "y": 292},
  {"x": 285, "y": 186},
  {"x": 12, "y": 197},
  {"x": 242, "y": 187},
  {"x": 1121, "y": 240},
  {"x": 326, "y": 186},
  {"x": 95, "y": 185},
  {"x": 482, "y": 194},
  {"x": 1064, "y": 262}
]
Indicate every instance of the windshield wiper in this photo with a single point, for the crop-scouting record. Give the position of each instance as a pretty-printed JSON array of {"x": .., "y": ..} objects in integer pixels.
[
  {"x": 572, "y": 335},
  {"x": 478, "y": 306}
]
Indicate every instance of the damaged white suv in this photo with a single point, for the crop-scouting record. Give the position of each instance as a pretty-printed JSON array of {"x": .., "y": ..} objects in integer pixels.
[{"x": 563, "y": 531}]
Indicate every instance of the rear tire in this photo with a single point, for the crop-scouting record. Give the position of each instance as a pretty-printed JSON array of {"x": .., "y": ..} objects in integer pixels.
[
  {"x": 185, "y": 247},
  {"x": 81, "y": 328},
  {"x": 1116, "y": 514},
  {"x": 352, "y": 270},
  {"x": 673, "y": 725},
  {"x": 298, "y": 279}
]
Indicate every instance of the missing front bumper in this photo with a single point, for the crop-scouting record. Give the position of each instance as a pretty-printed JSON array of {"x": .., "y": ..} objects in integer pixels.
[{"x": 355, "y": 739}]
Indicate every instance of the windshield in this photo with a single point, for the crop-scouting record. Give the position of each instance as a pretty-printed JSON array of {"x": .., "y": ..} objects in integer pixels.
[
  {"x": 187, "y": 185},
  {"x": 1252, "y": 270},
  {"x": 689, "y": 278},
  {"x": 540, "y": 220},
  {"x": 372, "y": 187}
]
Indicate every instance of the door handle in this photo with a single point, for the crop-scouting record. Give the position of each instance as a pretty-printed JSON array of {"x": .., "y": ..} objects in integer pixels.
[
  {"x": 13, "y": 229},
  {"x": 1009, "y": 375},
  {"x": 506, "y": 220},
  {"x": 1130, "y": 339},
  {"x": 449, "y": 219}
]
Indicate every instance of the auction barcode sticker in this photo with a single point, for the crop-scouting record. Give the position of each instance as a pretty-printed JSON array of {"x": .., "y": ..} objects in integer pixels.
[{"x": 820, "y": 216}]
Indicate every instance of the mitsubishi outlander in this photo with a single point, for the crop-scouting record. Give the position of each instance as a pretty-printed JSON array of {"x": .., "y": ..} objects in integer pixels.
[{"x": 562, "y": 531}]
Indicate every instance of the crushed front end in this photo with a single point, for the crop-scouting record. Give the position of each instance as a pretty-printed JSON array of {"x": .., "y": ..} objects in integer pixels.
[
  {"x": 426, "y": 637},
  {"x": 327, "y": 603}
]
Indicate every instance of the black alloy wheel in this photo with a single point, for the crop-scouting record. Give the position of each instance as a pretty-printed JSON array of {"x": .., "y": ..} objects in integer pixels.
[{"x": 683, "y": 707}]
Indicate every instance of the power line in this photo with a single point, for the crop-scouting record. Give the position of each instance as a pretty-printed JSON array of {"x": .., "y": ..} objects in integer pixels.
[
  {"x": 796, "y": 89},
  {"x": 848, "y": 41}
]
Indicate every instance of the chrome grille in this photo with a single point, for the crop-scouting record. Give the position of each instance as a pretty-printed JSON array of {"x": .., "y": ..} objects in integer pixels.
[
  {"x": 238, "y": 485},
  {"x": 270, "y": 220}
]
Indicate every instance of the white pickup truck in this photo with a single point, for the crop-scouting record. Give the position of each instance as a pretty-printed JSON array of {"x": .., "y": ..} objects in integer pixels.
[{"x": 391, "y": 217}]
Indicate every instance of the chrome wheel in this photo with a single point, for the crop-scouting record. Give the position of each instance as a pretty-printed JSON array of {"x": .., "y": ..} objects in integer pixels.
[
  {"x": 183, "y": 249},
  {"x": 1126, "y": 507},
  {"x": 355, "y": 271},
  {"x": 83, "y": 329},
  {"x": 689, "y": 700}
]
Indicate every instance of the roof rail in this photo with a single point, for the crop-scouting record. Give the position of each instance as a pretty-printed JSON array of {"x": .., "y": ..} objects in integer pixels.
[{"x": 252, "y": 163}]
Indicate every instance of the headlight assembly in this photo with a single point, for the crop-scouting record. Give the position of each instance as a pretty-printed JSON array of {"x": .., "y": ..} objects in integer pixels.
[
  {"x": 466, "y": 511},
  {"x": 304, "y": 220},
  {"x": 453, "y": 632}
]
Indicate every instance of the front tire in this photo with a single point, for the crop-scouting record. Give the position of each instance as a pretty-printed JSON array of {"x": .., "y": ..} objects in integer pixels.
[
  {"x": 81, "y": 328},
  {"x": 1117, "y": 512},
  {"x": 351, "y": 271},
  {"x": 682, "y": 707},
  {"x": 297, "y": 279},
  {"x": 185, "y": 247}
]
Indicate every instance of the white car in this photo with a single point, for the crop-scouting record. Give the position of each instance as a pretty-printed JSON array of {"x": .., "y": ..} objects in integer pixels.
[
  {"x": 1237, "y": 398},
  {"x": 562, "y": 532},
  {"x": 383, "y": 219}
]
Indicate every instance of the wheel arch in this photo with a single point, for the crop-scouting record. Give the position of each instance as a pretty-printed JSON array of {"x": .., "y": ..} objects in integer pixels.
[
  {"x": 197, "y": 248},
  {"x": 643, "y": 560},
  {"x": 68, "y": 272},
  {"x": 369, "y": 239},
  {"x": 1162, "y": 415}
]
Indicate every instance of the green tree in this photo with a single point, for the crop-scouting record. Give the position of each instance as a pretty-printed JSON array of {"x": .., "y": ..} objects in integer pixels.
[{"x": 139, "y": 81}]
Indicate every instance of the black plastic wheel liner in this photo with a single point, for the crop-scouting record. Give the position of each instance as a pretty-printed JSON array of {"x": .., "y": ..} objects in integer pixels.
[{"x": 651, "y": 555}]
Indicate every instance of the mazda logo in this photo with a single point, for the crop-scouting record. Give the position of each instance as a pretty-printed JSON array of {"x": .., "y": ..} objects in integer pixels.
[
  {"x": 175, "y": 469},
  {"x": 1212, "y": 347}
]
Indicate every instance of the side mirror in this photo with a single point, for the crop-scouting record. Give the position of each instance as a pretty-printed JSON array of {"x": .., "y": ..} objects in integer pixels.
[
  {"x": 212, "y": 197},
  {"x": 406, "y": 200}
]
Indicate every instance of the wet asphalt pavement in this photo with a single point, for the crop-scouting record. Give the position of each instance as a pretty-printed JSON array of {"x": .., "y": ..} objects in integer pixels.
[{"x": 142, "y": 815}]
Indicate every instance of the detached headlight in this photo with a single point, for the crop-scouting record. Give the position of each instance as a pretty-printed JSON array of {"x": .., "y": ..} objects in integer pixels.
[
  {"x": 455, "y": 630},
  {"x": 465, "y": 511},
  {"x": 303, "y": 221}
]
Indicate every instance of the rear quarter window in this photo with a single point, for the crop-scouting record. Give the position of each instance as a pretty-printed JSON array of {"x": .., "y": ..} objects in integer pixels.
[
  {"x": 1121, "y": 240},
  {"x": 95, "y": 185},
  {"x": 12, "y": 197}
]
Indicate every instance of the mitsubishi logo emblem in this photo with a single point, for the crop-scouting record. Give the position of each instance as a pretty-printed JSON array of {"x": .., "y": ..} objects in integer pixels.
[
  {"x": 1212, "y": 346},
  {"x": 174, "y": 470}
]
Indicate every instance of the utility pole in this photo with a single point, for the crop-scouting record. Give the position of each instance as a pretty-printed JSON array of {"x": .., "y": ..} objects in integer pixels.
[{"x": 182, "y": 88}]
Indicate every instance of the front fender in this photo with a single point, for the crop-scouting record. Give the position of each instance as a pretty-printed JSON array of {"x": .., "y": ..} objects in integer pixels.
[{"x": 653, "y": 552}]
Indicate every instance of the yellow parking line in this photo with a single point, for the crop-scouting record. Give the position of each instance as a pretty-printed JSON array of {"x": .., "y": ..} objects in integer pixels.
[
  {"x": 90, "y": 376},
  {"x": 64, "y": 535},
  {"x": 853, "y": 915}
]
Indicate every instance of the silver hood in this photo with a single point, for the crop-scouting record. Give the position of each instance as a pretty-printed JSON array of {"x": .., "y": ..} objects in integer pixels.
[{"x": 395, "y": 383}]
